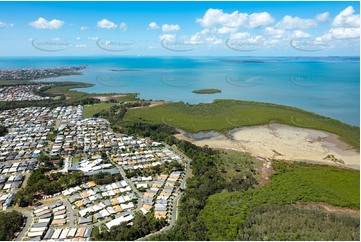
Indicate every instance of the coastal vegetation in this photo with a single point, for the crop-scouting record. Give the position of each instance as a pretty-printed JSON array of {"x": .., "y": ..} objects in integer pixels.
[
  {"x": 11, "y": 223},
  {"x": 227, "y": 215},
  {"x": 285, "y": 222},
  {"x": 268, "y": 213},
  {"x": 207, "y": 91},
  {"x": 223, "y": 115}
]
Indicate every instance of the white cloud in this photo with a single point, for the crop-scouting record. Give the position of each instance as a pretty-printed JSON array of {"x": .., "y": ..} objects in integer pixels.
[
  {"x": 300, "y": 34},
  {"x": 82, "y": 28},
  {"x": 289, "y": 22},
  {"x": 275, "y": 33},
  {"x": 226, "y": 30},
  {"x": 322, "y": 17},
  {"x": 214, "y": 18},
  {"x": 170, "y": 27},
  {"x": 167, "y": 37},
  {"x": 240, "y": 35},
  {"x": 106, "y": 24},
  {"x": 202, "y": 37},
  {"x": 6, "y": 25},
  {"x": 346, "y": 18},
  {"x": 153, "y": 25},
  {"x": 56, "y": 39},
  {"x": 78, "y": 38},
  {"x": 42, "y": 23},
  {"x": 123, "y": 27},
  {"x": 260, "y": 19},
  {"x": 344, "y": 33}
]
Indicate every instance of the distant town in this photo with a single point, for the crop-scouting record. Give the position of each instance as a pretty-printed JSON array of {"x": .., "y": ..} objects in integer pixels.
[{"x": 38, "y": 73}]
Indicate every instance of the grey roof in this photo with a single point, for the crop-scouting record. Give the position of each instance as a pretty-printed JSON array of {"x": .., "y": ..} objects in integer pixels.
[
  {"x": 35, "y": 239},
  {"x": 49, "y": 234},
  {"x": 107, "y": 202},
  {"x": 47, "y": 215},
  {"x": 88, "y": 232},
  {"x": 160, "y": 209},
  {"x": 96, "y": 189},
  {"x": 39, "y": 225},
  {"x": 54, "y": 205},
  {"x": 112, "y": 171},
  {"x": 83, "y": 220},
  {"x": 74, "y": 198}
]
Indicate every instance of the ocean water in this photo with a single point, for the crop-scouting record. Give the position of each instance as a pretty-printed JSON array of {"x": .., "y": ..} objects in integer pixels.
[{"x": 329, "y": 86}]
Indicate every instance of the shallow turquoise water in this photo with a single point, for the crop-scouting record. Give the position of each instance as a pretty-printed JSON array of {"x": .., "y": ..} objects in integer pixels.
[{"x": 329, "y": 86}]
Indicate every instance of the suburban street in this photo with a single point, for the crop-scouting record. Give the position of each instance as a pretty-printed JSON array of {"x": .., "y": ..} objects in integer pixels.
[{"x": 174, "y": 215}]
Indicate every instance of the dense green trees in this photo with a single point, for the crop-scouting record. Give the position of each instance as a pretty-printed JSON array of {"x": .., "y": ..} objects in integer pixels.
[
  {"x": 226, "y": 213},
  {"x": 40, "y": 184},
  {"x": 142, "y": 225},
  {"x": 3, "y": 130},
  {"x": 10, "y": 223},
  {"x": 276, "y": 222},
  {"x": 102, "y": 178}
]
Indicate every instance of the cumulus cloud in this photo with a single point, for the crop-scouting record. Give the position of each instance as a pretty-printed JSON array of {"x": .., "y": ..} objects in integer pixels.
[
  {"x": 42, "y": 23},
  {"x": 341, "y": 33},
  {"x": 346, "y": 18},
  {"x": 153, "y": 25},
  {"x": 322, "y": 17},
  {"x": 82, "y": 28},
  {"x": 289, "y": 22},
  {"x": 6, "y": 25},
  {"x": 260, "y": 19},
  {"x": 106, "y": 24},
  {"x": 300, "y": 34},
  {"x": 170, "y": 27},
  {"x": 275, "y": 33},
  {"x": 216, "y": 18}
]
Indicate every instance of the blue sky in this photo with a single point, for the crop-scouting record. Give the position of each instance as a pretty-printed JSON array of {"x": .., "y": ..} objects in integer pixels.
[{"x": 179, "y": 28}]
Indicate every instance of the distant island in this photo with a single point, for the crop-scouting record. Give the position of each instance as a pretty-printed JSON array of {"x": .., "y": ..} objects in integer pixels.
[
  {"x": 207, "y": 91},
  {"x": 123, "y": 70}
]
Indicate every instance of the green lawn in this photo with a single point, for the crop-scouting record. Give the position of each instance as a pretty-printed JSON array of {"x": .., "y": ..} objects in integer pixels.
[
  {"x": 90, "y": 110},
  {"x": 223, "y": 115},
  {"x": 226, "y": 212}
]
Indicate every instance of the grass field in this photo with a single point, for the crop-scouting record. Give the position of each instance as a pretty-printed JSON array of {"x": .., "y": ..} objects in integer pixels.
[
  {"x": 223, "y": 115},
  {"x": 90, "y": 110},
  {"x": 226, "y": 212}
]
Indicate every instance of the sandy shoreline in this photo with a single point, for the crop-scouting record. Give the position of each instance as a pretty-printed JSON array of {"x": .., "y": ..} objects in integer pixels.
[{"x": 277, "y": 141}]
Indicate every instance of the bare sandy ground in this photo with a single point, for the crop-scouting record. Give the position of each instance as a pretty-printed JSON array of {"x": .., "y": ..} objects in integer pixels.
[
  {"x": 108, "y": 97},
  {"x": 277, "y": 141}
]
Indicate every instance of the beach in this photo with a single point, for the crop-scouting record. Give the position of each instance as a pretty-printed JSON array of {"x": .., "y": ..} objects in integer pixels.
[{"x": 277, "y": 141}]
